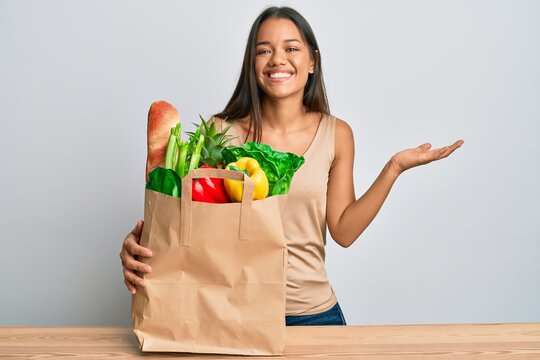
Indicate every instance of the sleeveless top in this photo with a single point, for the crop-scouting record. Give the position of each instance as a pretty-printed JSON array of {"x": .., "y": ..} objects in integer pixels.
[{"x": 304, "y": 223}]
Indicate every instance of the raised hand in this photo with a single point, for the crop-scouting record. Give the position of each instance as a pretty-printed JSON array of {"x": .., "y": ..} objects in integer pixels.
[{"x": 421, "y": 155}]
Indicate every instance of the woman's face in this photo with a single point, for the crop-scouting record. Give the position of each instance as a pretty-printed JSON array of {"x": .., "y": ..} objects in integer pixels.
[{"x": 282, "y": 60}]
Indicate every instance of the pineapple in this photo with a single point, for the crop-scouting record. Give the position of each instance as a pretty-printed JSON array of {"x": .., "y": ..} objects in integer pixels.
[{"x": 215, "y": 140}]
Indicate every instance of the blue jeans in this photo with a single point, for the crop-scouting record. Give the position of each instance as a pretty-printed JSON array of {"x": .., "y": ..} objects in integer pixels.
[{"x": 334, "y": 316}]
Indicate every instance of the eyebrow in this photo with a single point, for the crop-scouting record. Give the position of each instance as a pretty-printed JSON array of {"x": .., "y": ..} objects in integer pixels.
[{"x": 268, "y": 42}]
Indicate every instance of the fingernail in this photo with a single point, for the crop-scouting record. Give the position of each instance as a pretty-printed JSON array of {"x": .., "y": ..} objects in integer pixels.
[
  {"x": 148, "y": 253},
  {"x": 148, "y": 268}
]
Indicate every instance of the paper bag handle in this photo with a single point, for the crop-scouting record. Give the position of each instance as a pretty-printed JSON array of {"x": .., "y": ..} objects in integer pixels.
[{"x": 187, "y": 193}]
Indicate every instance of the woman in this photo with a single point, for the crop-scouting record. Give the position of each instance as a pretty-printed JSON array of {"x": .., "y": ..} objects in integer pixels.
[{"x": 280, "y": 100}]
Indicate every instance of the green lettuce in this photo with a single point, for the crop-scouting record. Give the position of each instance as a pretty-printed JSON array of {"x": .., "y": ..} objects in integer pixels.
[{"x": 279, "y": 167}]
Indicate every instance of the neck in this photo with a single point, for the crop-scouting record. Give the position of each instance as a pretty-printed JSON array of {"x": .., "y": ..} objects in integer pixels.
[{"x": 282, "y": 115}]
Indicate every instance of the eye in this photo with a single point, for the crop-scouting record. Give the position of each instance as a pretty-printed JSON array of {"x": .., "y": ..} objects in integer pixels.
[
  {"x": 263, "y": 51},
  {"x": 291, "y": 49}
]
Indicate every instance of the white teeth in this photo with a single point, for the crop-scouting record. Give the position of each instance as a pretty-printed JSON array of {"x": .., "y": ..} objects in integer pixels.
[{"x": 279, "y": 75}]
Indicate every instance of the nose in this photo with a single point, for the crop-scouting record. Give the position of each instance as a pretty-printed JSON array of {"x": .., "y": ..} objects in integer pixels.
[{"x": 278, "y": 58}]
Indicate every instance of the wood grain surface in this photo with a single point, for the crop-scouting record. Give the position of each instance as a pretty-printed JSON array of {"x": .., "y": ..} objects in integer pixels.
[{"x": 462, "y": 341}]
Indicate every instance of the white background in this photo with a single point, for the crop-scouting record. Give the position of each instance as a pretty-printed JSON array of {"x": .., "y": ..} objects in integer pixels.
[{"x": 457, "y": 241}]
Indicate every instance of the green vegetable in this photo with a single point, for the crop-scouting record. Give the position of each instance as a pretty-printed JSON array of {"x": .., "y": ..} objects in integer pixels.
[
  {"x": 279, "y": 167},
  {"x": 170, "y": 155},
  {"x": 165, "y": 181},
  {"x": 182, "y": 156},
  {"x": 196, "y": 143},
  {"x": 189, "y": 153}
]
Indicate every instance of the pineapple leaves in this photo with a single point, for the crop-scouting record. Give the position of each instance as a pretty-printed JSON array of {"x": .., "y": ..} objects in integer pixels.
[{"x": 215, "y": 140}]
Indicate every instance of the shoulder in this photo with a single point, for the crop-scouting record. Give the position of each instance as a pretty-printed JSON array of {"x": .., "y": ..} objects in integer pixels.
[
  {"x": 227, "y": 122},
  {"x": 344, "y": 139},
  {"x": 231, "y": 129},
  {"x": 342, "y": 127},
  {"x": 218, "y": 121}
]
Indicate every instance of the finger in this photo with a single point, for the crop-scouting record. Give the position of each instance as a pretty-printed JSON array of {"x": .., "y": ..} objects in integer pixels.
[
  {"x": 447, "y": 150},
  {"x": 456, "y": 145},
  {"x": 137, "y": 230},
  {"x": 133, "y": 239},
  {"x": 133, "y": 278},
  {"x": 136, "y": 249},
  {"x": 132, "y": 289},
  {"x": 131, "y": 244},
  {"x": 425, "y": 146},
  {"x": 450, "y": 150},
  {"x": 133, "y": 264},
  {"x": 441, "y": 152}
]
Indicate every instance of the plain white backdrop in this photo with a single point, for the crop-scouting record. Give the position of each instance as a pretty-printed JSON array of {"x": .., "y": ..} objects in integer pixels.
[{"x": 457, "y": 241}]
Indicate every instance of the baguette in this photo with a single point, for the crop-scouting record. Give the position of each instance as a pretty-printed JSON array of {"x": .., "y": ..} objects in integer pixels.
[{"x": 162, "y": 116}]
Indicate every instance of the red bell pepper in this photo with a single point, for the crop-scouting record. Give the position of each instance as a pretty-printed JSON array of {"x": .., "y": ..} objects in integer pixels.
[{"x": 209, "y": 190}]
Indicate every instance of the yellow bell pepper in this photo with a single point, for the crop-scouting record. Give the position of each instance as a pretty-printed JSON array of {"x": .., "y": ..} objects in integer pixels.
[{"x": 235, "y": 188}]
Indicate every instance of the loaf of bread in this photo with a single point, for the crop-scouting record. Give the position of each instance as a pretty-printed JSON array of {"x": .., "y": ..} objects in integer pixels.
[{"x": 162, "y": 116}]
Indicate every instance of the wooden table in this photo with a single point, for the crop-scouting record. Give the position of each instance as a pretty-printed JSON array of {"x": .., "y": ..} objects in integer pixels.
[{"x": 486, "y": 341}]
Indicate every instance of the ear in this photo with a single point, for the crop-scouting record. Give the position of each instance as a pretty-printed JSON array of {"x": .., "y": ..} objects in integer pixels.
[{"x": 312, "y": 62}]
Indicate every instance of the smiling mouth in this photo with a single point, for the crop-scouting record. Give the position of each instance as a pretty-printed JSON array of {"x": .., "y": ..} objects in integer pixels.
[{"x": 279, "y": 75}]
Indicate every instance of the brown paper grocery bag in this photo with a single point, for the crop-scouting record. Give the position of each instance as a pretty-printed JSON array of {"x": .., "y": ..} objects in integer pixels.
[{"x": 218, "y": 277}]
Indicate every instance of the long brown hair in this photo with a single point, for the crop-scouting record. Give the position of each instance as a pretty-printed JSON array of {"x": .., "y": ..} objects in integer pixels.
[{"x": 247, "y": 97}]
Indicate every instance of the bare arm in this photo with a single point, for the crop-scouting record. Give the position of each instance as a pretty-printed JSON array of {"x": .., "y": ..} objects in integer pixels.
[{"x": 348, "y": 217}]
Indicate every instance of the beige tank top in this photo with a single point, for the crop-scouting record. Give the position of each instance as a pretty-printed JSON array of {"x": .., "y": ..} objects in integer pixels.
[{"x": 304, "y": 223}]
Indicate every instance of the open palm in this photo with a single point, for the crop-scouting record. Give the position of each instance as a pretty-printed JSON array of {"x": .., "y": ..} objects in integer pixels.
[{"x": 421, "y": 155}]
